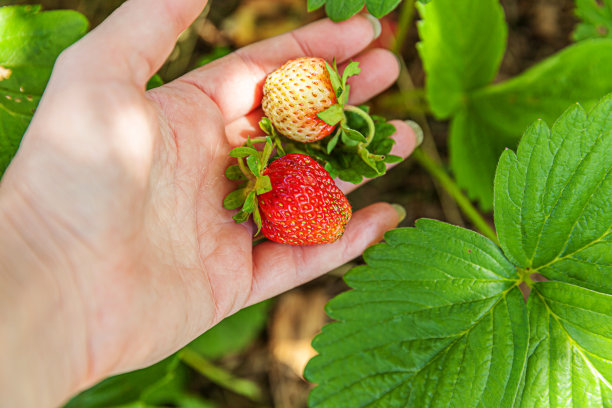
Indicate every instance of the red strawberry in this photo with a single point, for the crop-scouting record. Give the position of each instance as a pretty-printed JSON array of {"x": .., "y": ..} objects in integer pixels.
[
  {"x": 294, "y": 94},
  {"x": 304, "y": 206}
]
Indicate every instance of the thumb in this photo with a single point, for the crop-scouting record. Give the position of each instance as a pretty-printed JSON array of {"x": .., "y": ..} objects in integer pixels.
[
  {"x": 135, "y": 40},
  {"x": 278, "y": 268}
]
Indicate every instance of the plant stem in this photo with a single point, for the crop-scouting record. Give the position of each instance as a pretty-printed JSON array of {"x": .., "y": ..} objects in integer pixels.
[
  {"x": 244, "y": 169},
  {"x": 403, "y": 25},
  {"x": 449, "y": 207},
  {"x": 524, "y": 274},
  {"x": 367, "y": 118},
  {"x": 438, "y": 172},
  {"x": 219, "y": 376}
]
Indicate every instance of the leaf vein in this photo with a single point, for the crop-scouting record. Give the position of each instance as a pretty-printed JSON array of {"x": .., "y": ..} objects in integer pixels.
[{"x": 560, "y": 194}]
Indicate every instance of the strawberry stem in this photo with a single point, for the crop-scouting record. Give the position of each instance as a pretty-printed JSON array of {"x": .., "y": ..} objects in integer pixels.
[
  {"x": 367, "y": 118},
  {"x": 245, "y": 169}
]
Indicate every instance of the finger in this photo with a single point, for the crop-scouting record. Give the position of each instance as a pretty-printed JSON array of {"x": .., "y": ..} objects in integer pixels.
[
  {"x": 379, "y": 70},
  {"x": 406, "y": 140},
  {"x": 278, "y": 268},
  {"x": 136, "y": 39},
  {"x": 235, "y": 82},
  {"x": 244, "y": 127}
]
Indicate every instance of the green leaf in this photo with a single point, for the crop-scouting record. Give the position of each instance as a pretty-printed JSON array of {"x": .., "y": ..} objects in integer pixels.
[
  {"x": 570, "y": 348},
  {"x": 350, "y": 175},
  {"x": 234, "y": 173},
  {"x": 257, "y": 220},
  {"x": 330, "y": 170},
  {"x": 332, "y": 115},
  {"x": 263, "y": 184},
  {"x": 344, "y": 95},
  {"x": 234, "y": 333},
  {"x": 596, "y": 16},
  {"x": 30, "y": 42},
  {"x": 354, "y": 134},
  {"x": 242, "y": 151},
  {"x": 391, "y": 158},
  {"x": 174, "y": 390},
  {"x": 163, "y": 384},
  {"x": 267, "y": 152},
  {"x": 351, "y": 167},
  {"x": 344, "y": 161},
  {"x": 333, "y": 141},
  {"x": 499, "y": 114},
  {"x": 339, "y": 10},
  {"x": 334, "y": 78},
  {"x": 254, "y": 164},
  {"x": 346, "y": 139},
  {"x": 552, "y": 201},
  {"x": 266, "y": 125},
  {"x": 250, "y": 203},
  {"x": 241, "y": 216},
  {"x": 313, "y": 5},
  {"x": 380, "y": 8},
  {"x": 459, "y": 57},
  {"x": 579, "y": 73},
  {"x": 351, "y": 69},
  {"x": 126, "y": 388},
  {"x": 474, "y": 150},
  {"x": 235, "y": 199},
  {"x": 365, "y": 156},
  {"x": 155, "y": 82},
  {"x": 434, "y": 319}
]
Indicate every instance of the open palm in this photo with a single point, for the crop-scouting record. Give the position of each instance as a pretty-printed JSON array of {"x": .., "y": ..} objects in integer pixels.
[{"x": 119, "y": 191}]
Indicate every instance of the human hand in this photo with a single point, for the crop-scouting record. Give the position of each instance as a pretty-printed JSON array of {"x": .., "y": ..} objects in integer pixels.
[{"x": 118, "y": 251}]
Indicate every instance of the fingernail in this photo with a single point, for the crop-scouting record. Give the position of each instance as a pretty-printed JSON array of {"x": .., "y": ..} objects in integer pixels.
[
  {"x": 401, "y": 212},
  {"x": 376, "y": 27},
  {"x": 418, "y": 131}
]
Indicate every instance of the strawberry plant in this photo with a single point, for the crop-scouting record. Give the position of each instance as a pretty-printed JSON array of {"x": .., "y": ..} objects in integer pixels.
[
  {"x": 436, "y": 316},
  {"x": 460, "y": 63},
  {"x": 339, "y": 10}
]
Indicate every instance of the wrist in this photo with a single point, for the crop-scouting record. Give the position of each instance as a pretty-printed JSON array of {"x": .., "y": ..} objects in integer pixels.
[{"x": 44, "y": 357}]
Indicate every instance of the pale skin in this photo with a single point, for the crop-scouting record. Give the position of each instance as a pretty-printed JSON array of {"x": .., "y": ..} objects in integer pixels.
[{"x": 115, "y": 250}]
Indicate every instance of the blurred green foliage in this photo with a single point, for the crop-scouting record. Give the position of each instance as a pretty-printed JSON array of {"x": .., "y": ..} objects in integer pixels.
[
  {"x": 596, "y": 19},
  {"x": 168, "y": 382},
  {"x": 30, "y": 42}
]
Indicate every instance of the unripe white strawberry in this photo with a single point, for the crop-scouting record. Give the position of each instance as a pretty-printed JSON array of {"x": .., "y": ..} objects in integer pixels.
[{"x": 294, "y": 94}]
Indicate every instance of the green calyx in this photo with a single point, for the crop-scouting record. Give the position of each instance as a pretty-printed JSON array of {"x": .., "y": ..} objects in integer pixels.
[
  {"x": 335, "y": 115},
  {"x": 249, "y": 170},
  {"x": 268, "y": 128}
]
